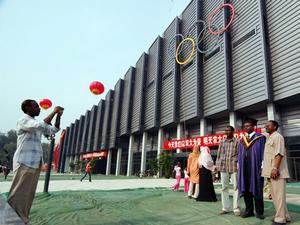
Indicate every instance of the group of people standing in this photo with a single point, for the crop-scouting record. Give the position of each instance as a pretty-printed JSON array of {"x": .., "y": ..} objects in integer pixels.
[
  {"x": 198, "y": 181},
  {"x": 247, "y": 162}
]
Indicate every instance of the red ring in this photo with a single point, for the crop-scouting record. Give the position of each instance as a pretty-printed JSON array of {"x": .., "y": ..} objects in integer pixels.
[{"x": 213, "y": 15}]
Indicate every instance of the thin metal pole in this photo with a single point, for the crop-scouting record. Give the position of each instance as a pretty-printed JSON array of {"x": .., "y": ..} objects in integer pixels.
[{"x": 50, "y": 158}]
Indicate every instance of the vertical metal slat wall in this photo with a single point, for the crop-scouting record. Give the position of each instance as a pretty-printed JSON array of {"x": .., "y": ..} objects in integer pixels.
[
  {"x": 139, "y": 95},
  {"x": 99, "y": 125},
  {"x": 126, "y": 108},
  {"x": 116, "y": 112},
  {"x": 92, "y": 127},
  {"x": 109, "y": 99}
]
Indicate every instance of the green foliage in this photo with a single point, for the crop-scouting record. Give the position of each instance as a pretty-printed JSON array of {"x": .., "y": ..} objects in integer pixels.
[
  {"x": 165, "y": 161},
  {"x": 154, "y": 166},
  {"x": 162, "y": 163},
  {"x": 8, "y": 146},
  {"x": 72, "y": 166}
]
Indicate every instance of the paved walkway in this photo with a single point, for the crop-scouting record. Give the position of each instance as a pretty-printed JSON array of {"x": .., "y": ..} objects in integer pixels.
[
  {"x": 114, "y": 184},
  {"x": 117, "y": 184}
]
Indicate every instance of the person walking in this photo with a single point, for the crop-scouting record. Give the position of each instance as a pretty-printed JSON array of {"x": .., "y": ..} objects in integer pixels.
[
  {"x": 275, "y": 169},
  {"x": 177, "y": 170},
  {"x": 27, "y": 160},
  {"x": 88, "y": 171},
  {"x": 226, "y": 164}
]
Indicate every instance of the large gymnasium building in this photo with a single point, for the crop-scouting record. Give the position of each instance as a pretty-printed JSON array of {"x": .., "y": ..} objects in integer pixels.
[{"x": 213, "y": 66}]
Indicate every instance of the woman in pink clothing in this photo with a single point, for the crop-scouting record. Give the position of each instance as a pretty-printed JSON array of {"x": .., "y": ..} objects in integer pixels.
[
  {"x": 186, "y": 181},
  {"x": 177, "y": 170}
]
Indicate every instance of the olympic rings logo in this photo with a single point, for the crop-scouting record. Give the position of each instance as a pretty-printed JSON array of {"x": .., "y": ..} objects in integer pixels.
[{"x": 189, "y": 40}]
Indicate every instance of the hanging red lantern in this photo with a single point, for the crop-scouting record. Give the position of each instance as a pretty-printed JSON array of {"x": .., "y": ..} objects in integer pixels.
[
  {"x": 97, "y": 88},
  {"x": 45, "y": 104}
]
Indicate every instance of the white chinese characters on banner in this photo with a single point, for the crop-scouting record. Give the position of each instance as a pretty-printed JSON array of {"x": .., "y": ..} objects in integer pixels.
[{"x": 209, "y": 140}]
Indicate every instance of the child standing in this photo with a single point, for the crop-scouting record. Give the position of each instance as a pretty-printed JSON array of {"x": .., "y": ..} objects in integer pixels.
[
  {"x": 186, "y": 181},
  {"x": 177, "y": 170}
]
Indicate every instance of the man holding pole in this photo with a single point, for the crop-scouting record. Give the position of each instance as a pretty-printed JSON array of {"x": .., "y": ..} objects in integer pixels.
[{"x": 27, "y": 161}]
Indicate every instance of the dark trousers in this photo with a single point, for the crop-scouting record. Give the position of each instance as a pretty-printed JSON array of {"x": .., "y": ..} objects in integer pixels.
[
  {"x": 259, "y": 204},
  {"x": 87, "y": 173}
]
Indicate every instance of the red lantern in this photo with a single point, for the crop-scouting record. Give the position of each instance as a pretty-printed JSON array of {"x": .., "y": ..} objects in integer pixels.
[
  {"x": 97, "y": 88},
  {"x": 45, "y": 104}
]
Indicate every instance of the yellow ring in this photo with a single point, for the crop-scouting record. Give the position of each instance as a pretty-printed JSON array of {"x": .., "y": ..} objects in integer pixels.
[{"x": 191, "y": 55}]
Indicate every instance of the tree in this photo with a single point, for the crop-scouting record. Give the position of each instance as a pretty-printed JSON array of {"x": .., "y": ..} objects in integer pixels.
[
  {"x": 12, "y": 136},
  {"x": 163, "y": 162},
  {"x": 8, "y": 146}
]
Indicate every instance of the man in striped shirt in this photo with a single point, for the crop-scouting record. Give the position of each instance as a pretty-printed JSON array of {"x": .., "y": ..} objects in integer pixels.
[{"x": 226, "y": 163}]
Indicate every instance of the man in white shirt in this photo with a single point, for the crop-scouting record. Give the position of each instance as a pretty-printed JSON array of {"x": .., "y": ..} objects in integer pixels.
[{"x": 27, "y": 161}]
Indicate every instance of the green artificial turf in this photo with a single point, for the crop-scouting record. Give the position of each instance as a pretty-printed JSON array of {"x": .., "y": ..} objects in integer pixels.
[{"x": 137, "y": 206}]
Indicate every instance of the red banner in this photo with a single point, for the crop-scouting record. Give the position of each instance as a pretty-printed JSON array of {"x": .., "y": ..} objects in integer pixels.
[
  {"x": 208, "y": 140},
  {"x": 56, "y": 152},
  {"x": 94, "y": 155}
]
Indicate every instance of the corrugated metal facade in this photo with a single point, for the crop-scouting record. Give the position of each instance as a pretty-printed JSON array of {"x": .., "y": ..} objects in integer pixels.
[
  {"x": 109, "y": 99},
  {"x": 69, "y": 148},
  {"x": 290, "y": 119},
  {"x": 116, "y": 112},
  {"x": 189, "y": 88},
  {"x": 256, "y": 59},
  {"x": 62, "y": 153},
  {"x": 284, "y": 38},
  {"x": 126, "y": 109},
  {"x": 170, "y": 78},
  {"x": 151, "y": 144},
  {"x": 261, "y": 118},
  {"x": 219, "y": 125},
  {"x": 192, "y": 131},
  {"x": 170, "y": 134},
  {"x": 79, "y": 134},
  {"x": 85, "y": 132},
  {"x": 137, "y": 143},
  {"x": 139, "y": 94},
  {"x": 73, "y": 141},
  {"x": 92, "y": 128},
  {"x": 152, "y": 85},
  {"x": 68, "y": 131},
  {"x": 214, "y": 65},
  {"x": 99, "y": 125},
  {"x": 249, "y": 69}
]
